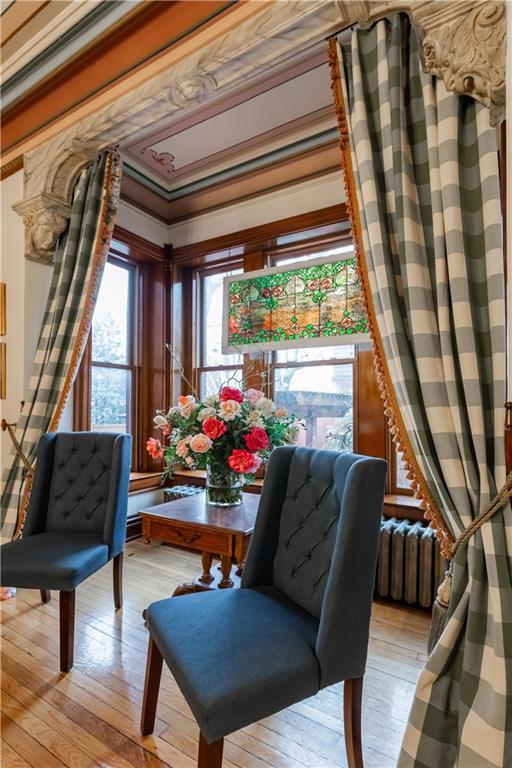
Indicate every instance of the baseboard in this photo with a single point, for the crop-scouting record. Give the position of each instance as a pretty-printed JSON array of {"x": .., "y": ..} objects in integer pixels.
[{"x": 133, "y": 528}]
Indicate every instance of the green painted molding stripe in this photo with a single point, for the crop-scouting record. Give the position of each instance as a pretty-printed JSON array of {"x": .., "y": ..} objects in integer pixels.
[{"x": 324, "y": 137}]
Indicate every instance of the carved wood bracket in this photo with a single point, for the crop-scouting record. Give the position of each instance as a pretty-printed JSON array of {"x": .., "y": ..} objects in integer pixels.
[{"x": 463, "y": 42}]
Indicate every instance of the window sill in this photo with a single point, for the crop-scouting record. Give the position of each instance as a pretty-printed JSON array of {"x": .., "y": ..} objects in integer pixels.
[
  {"x": 403, "y": 507},
  {"x": 144, "y": 481}
]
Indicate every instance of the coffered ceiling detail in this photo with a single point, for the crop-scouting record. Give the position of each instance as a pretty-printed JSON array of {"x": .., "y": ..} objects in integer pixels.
[{"x": 276, "y": 129}]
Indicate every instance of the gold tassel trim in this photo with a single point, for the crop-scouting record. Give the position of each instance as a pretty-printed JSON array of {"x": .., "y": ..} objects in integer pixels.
[{"x": 391, "y": 407}]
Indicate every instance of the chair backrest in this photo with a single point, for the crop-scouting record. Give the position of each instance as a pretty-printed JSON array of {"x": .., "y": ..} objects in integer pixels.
[
  {"x": 316, "y": 541},
  {"x": 81, "y": 485}
]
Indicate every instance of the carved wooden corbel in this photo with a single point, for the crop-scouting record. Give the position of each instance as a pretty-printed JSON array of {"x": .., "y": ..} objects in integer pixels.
[
  {"x": 45, "y": 217},
  {"x": 469, "y": 55}
]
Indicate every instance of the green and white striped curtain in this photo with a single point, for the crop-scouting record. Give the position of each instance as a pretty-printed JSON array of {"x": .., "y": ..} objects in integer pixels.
[
  {"x": 80, "y": 259},
  {"x": 425, "y": 173}
]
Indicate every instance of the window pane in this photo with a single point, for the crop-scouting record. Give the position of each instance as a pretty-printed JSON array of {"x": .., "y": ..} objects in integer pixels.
[
  {"x": 310, "y": 354},
  {"x": 211, "y": 381},
  {"x": 344, "y": 251},
  {"x": 401, "y": 472},
  {"x": 212, "y": 296},
  {"x": 110, "y": 321},
  {"x": 322, "y": 396},
  {"x": 110, "y": 399}
]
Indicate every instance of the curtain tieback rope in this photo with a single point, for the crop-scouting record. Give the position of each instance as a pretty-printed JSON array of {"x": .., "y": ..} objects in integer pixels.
[{"x": 444, "y": 591}]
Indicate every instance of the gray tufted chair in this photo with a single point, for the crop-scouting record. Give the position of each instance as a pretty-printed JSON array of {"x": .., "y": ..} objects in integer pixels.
[
  {"x": 299, "y": 623},
  {"x": 75, "y": 522}
]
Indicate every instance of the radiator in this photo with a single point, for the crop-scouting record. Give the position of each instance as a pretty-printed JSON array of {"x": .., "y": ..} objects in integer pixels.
[{"x": 409, "y": 566}]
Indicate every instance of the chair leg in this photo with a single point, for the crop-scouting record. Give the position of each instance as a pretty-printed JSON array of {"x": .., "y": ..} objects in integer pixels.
[
  {"x": 210, "y": 755},
  {"x": 118, "y": 580},
  {"x": 352, "y": 697},
  {"x": 46, "y": 595},
  {"x": 151, "y": 688},
  {"x": 67, "y": 629}
]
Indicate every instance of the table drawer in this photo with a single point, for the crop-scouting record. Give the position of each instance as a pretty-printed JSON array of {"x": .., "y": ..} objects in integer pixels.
[{"x": 216, "y": 542}]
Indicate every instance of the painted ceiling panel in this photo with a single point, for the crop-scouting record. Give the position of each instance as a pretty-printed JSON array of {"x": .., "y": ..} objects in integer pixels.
[{"x": 287, "y": 102}]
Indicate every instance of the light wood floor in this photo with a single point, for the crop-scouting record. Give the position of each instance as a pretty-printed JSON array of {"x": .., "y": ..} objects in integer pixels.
[{"x": 90, "y": 717}]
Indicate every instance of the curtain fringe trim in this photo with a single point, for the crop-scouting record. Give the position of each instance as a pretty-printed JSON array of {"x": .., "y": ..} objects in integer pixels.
[{"x": 391, "y": 408}]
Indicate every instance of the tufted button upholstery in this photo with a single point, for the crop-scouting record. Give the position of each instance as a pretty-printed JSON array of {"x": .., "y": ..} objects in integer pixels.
[
  {"x": 80, "y": 483},
  {"x": 309, "y": 522}
]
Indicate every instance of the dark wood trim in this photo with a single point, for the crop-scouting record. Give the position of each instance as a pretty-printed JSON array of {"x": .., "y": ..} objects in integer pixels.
[
  {"x": 67, "y": 629},
  {"x": 117, "y": 568},
  {"x": 149, "y": 358},
  {"x": 151, "y": 688},
  {"x": 12, "y": 167},
  {"x": 82, "y": 392},
  {"x": 144, "y": 481},
  {"x": 129, "y": 244},
  {"x": 46, "y": 595},
  {"x": 352, "y": 701},
  {"x": 403, "y": 507},
  {"x": 264, "y": 232}
]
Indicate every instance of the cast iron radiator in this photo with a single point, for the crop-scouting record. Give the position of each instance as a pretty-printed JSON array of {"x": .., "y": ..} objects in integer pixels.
[{"x": 409, "y": 565}]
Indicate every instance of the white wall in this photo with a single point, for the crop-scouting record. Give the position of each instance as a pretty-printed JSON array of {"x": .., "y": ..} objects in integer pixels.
[
  {"x": 27, "y": 290},
  {"x": 293, "y": 201},
  {"x": 142, "y": 224}
]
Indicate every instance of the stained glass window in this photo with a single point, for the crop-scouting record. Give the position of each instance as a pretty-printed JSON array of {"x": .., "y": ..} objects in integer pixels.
[{"x": 317, "y": 303}]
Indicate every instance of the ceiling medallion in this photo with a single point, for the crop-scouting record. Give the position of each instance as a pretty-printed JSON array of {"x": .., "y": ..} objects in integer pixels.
[
  {"x": 164, "y": 159},
  {"x": 194, "y": 90}
]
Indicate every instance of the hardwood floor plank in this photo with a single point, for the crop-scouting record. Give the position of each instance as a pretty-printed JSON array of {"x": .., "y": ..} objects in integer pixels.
[
  {"x": 11, "y": 759},
  {"x": 90, "y": 717}
]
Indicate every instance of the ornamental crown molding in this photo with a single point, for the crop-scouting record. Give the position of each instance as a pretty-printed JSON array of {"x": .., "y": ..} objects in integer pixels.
[{"x": 463, "y": 42}]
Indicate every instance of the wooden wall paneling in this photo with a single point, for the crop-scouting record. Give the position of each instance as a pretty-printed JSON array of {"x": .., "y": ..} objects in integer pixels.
[{"x": 369, "y": 412}]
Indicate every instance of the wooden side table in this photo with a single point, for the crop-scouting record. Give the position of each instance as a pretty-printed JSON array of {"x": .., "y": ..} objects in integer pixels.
[{"x": 222, "y": 531}]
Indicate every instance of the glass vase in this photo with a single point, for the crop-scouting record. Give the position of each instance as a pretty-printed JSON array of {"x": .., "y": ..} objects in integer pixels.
[{"x": 224, "y": 488}]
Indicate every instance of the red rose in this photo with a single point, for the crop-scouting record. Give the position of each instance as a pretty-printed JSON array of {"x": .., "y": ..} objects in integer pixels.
[
  {"x": 213, "y": 428},
  {"x": 229, "y": 393},
  {"x": 243, "y": 462},
  {"x": 256, "y": 439}
]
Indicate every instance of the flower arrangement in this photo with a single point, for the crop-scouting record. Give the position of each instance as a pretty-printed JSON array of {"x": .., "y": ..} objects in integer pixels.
[{"x": 230, "y": 435}]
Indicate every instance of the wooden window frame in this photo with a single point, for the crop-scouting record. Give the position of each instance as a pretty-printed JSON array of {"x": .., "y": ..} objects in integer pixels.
[
  {"x": 150, "y": 327},
  {"x": 371, "y": 434}
]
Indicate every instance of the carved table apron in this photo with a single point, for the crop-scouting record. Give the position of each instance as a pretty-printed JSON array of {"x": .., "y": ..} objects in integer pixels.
[{"x": 224, "y": 532}]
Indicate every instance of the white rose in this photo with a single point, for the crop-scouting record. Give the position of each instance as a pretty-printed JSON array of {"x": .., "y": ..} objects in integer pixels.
[
  {"x": 206, "y": 413},
  {"x": 254, "y": 419},
  {"x": 265, "y": 406},
  {"x": 229, "y": 410},
  {"x": 159, "y": 420},
  {"x": 211, "y": 400}
]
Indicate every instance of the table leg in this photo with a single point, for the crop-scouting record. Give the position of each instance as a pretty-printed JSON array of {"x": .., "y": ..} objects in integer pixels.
[
  {"x": 225, "y": 566},
  {"x": 206, "y": 576}
]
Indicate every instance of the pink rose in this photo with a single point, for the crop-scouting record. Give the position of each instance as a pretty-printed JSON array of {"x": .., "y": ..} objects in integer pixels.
[
  {"x": 182, "y": 447},
  {"x": 200, "y": 443},
  {"x": 253, "y": 395},
  {"x": 155, "y": 448}
]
